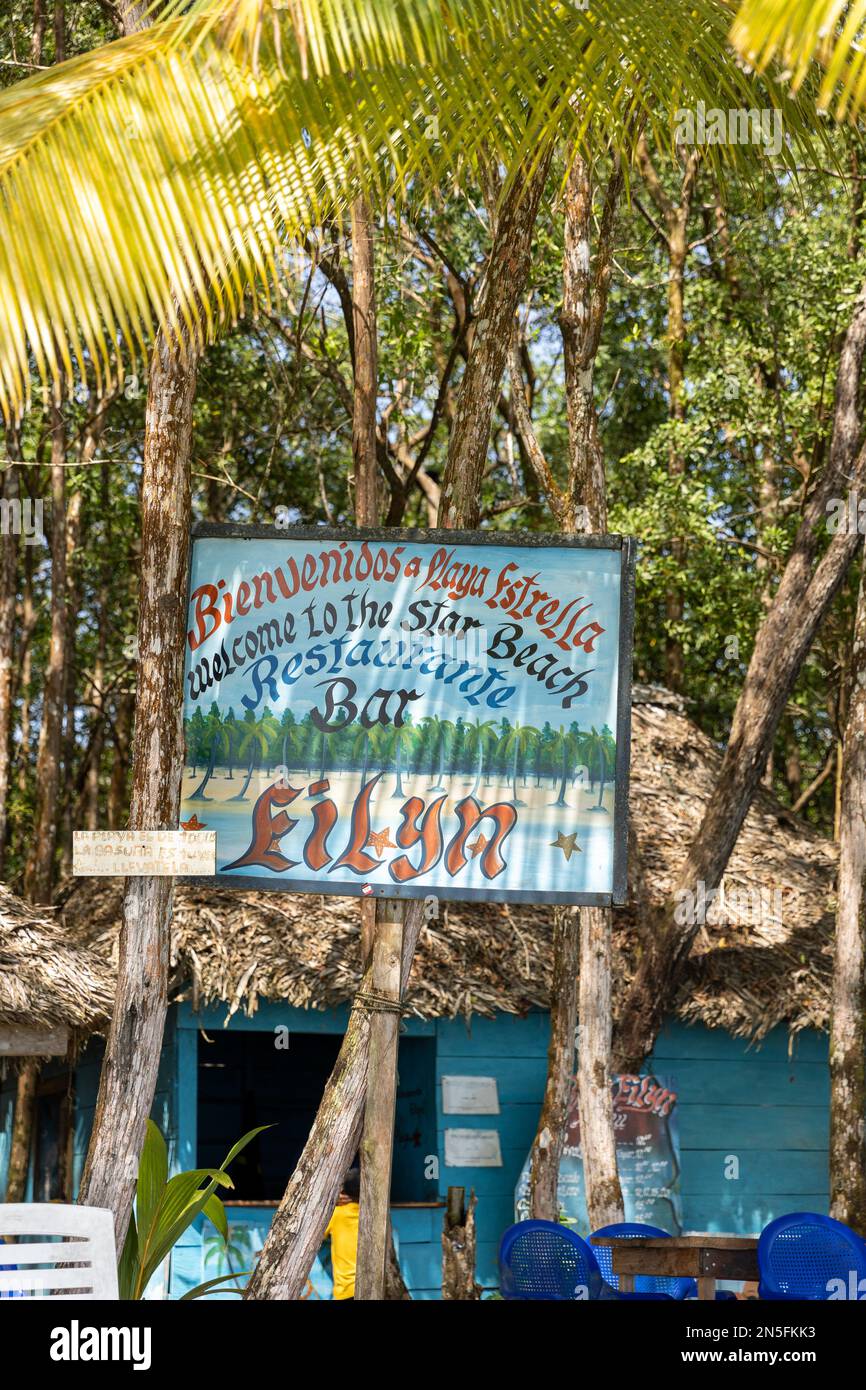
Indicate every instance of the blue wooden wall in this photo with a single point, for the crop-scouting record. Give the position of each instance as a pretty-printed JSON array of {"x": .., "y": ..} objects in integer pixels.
[{"x": 753, "y": 1129}]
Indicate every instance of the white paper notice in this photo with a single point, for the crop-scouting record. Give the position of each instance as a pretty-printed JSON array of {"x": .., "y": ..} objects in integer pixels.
[
  {"x": 140, "y": 853},
  {"x": 472, "y": 1148},
  {"x": 470, "y": 1095}
]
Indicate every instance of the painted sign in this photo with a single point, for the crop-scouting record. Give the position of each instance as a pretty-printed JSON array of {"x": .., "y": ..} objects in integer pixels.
[
  {"x": 647, "y": 1155},
  {"x": 143, "y": 853},
  {"x": 425, "y": 714}
]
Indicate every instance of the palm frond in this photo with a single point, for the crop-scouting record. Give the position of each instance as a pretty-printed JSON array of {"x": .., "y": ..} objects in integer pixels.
[
  {"x": 797, "y": 33},
  {"x": 161, "y": 180}
]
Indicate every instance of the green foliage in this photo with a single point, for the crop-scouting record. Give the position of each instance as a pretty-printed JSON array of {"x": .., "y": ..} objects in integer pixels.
[{"x": 166, "y": 1207}]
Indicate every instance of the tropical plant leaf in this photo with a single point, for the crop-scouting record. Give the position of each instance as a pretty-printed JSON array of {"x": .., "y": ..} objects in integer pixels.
[
  {"x": 162, "y": 179},
  {"x": 127, "y": 1270},
  {"x": 201, "y": 1289},
  {"x": 214, "y": 1210},
  {"x": 798, "y": 33},
  {"x": 152, "y": 1178}
]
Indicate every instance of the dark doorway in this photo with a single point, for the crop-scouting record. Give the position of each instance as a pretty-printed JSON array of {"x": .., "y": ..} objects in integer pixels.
[
  {"x": 245, "y": 1080},
  {"x": 248, "y": 1079}
]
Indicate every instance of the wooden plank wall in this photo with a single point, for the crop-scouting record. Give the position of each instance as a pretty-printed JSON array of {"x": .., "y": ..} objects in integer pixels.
[{"x": 753, "y": 1126}]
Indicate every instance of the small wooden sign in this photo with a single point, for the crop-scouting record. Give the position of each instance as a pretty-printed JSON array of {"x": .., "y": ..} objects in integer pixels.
[
  {"x": 23, "y": 1041},
  {"x": 143, "y": 853},
  {"x": 470, "y": 1095},
  {"x": 472, "y": 1148}
]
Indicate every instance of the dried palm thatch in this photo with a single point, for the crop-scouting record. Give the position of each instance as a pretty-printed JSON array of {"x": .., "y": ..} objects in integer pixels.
[
  {"x": 48, "y": 979},
  {"x": 765, "y": 961}
]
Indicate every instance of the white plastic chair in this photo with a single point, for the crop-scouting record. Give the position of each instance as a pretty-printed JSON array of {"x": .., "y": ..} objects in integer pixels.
[{"x": 80, "y": 1255}]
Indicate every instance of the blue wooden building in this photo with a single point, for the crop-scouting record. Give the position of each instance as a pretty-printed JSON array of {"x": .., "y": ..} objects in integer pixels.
[{"x": 263, "y": 984}]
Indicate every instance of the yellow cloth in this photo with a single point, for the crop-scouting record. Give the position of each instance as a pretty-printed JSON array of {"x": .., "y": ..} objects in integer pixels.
[{"x": 343, "y": 1230}]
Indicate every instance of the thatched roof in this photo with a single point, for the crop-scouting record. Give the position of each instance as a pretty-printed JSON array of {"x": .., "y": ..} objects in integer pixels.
[
  {"x": 746, "y": 976},
  {"x": 47, "y": 979}
]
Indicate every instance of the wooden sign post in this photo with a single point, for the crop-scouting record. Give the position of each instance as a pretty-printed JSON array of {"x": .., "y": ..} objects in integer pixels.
[{"x": 377, "y": 1144}]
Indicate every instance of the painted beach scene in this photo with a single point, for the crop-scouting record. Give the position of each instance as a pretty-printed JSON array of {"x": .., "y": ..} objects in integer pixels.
[{"x": 364, "y": 717}]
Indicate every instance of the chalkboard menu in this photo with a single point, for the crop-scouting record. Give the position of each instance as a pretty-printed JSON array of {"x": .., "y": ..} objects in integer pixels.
[{"x": 648, "y": 1158}]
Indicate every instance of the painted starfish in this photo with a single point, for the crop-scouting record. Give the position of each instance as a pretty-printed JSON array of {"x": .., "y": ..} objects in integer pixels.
[
  {"x": 567, "y": 843},
  {"x": 381, "y": 839}
]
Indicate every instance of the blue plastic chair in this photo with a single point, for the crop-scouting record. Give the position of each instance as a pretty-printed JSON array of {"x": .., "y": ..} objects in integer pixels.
[
  {"x": 805, "y": 1255},
  {"x": 644, "y": 1283},
  {"x": 543, "y": 1260}
]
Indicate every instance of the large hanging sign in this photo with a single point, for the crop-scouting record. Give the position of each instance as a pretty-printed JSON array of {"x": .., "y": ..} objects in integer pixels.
[
  {"x": 410, "y": 713},
  {"x": 647, "y": 1157}
]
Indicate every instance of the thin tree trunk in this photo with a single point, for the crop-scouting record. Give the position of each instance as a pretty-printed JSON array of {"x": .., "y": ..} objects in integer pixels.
[
  {"x": 39, "y": 869},
  {"x": 805, "y": 592},
  {"x": 115, "y": 811},
  {"x": 21, "y": 687},
  {"x": 377, "y": 1144},
  {"x": 22, "y": 1130},
  {"x": 676, "y": 220},
  {"x": 91, "y": 785},
  {"x": 382, "y": 921},
  {"x": 507, "y": 270},
  {"x": 8, "y": 587},
  {"x": 581, "y": 941},
  {"x": 597, "y": 1135},
  {"x": 128, "y": 1079},
  {"x": 66, "y": 811},
  {"x": 550, "y": 1137},
  {"x": 364, "y": 353},
  {"x": 848, "y": 1012},
  {"x": 365, "y": 377}
]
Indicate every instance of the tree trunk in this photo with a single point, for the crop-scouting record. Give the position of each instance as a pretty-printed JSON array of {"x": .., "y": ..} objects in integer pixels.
[
  {"x": 581, "y": 942},
  {"x": 365, "y": 377},
  {"x": 507, "y": 269},
  {"x": 21, "y": 685},
  {"x": 8, "y": 587},
  {"x": 597, "y": 1134},
  {"x": 805, "y": 592},
  {"x": 39, "y": 869},
  {"x": 307, "y": 1206},
  {"x": 848, "y": 1013},
  {"x": 115, "y": 811},
  {"x": 128, "y": 1079},
  {"x": 676, "y": 221},
  {"x": 550, "y": 1137},
  {"x": 378, "y": 1138},
  {"x": 459, "y": 1248},
  {"x": 22, "y": 1130}
]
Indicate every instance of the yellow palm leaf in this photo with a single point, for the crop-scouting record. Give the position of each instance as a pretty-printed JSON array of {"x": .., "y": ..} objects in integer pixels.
[
  {"x": 162, "y": 178},
  {"x": 797, "y": 33}
]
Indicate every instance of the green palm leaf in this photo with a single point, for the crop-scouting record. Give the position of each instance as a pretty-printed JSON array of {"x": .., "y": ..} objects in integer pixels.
[{"x": 162, "y": 178}]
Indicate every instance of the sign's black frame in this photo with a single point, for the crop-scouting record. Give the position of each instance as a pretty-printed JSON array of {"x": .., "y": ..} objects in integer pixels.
[{"x": 522, "y": 540}]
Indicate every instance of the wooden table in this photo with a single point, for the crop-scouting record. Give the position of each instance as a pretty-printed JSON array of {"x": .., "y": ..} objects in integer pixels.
[{"x": 705, "y": 1258}]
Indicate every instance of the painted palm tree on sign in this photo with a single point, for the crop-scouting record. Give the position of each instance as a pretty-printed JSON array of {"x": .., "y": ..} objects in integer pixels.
[
  {"x": 564, "y": 747},
  {"x": 480, "y": 738},
  {"x": 367, "y": 747},
  {"x": 517, "y": 743},
  {"x": 599, "y": 752},
  {"x": 397, "y": 744},
  {"x": 443, "y": 731},
  {"x": 255, "y": 741},
  {"x": 216, "y": 740}
]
